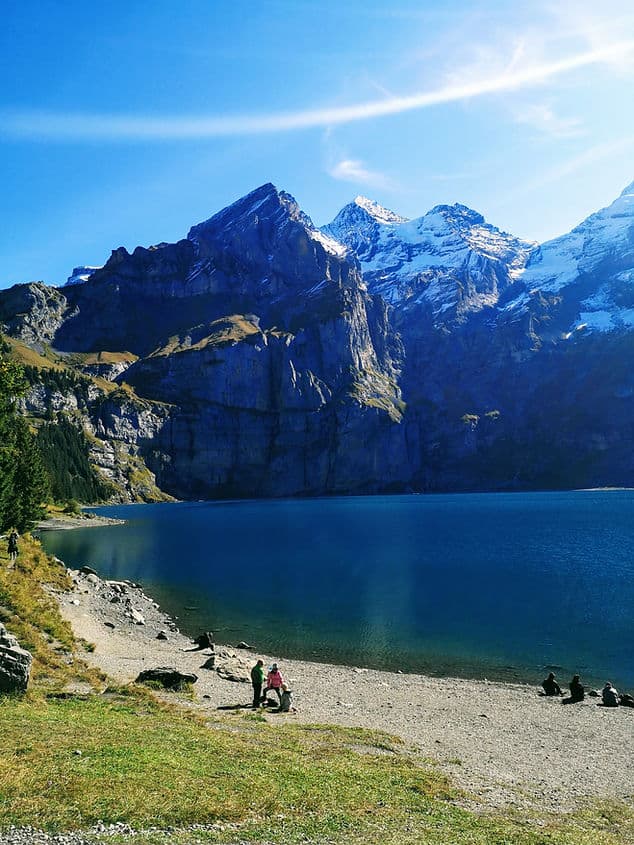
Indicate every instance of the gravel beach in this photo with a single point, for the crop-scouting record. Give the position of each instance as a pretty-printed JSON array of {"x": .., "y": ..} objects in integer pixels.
[{"x": 504, "y": 744}]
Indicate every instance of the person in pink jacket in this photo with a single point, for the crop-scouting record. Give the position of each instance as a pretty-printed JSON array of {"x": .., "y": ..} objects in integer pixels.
[{"x": 274, "y": 681}]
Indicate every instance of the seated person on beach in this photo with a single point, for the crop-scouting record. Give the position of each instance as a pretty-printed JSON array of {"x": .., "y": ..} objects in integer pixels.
[
  {"x": 577, "y": 692},
  {"x": 609, "y": 695},
  {"x": 550, "y": 685},
  {"x": 274, "y": 681},
  {"x": 286, "y": 701}
]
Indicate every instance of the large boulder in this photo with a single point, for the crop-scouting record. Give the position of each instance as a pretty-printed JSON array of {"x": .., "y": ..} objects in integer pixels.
[
  {"x": 15, "y": 663},
  {"x": 233, "y": 667},
  {"x": 167, "y": 676}
]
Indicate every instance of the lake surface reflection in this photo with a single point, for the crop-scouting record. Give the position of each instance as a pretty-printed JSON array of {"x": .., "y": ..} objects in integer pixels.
[{"x": 495, "y": 585}]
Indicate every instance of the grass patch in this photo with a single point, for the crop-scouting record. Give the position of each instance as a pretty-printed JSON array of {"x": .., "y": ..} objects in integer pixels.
[
  {"x": 23, "y": 354},
  {"x": 32, "y": 614},
  {"x": 223, "y": 332},
  {"x": 153, "y": 766},
  {"x": 103, "y": 357}
]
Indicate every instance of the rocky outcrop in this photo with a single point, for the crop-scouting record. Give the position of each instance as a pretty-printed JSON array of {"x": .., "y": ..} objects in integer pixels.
[
  {"x": 33, "y": 313},
  {"x": 15, "y": 664}
]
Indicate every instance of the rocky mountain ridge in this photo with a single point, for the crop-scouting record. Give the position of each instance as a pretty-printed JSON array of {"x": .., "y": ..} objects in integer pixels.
[
  {"x": 590, "y": 269},
  {"x": 376, "y": 354},
  {"x": 446, "y": 262}
]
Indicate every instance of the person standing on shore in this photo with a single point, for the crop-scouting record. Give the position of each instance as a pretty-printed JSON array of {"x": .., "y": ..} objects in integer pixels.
[
  {"x": 12, "y": 545},
  {"x": 275, "y": 681},
  {"x": 257, "y": 680}
]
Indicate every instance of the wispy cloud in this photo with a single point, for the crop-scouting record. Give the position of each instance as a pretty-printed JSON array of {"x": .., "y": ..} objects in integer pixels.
[
  {"x": 598, "y": 26},
  {"x": 517, "y": 74},
  {"x": 579, "y": 162},
  {"x": 542, "y": 118},
  {"x": 582, "y": 160},
  {"x": 352, "y": 170}
]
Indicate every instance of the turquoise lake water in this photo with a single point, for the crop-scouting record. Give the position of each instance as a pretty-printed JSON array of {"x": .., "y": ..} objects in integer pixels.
[{"x": 479, "y": 585}]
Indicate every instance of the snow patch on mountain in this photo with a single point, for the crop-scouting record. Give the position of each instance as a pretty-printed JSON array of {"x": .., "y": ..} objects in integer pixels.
[
  {"x": 80, "y": 275},
  {"x": 588, "y": 272},
  {"x": 604, "y": 310},
  {"x": 449, "y": 258},
  {"x": 560, "y": 262},
  {"x": 447, "y": 236},
  {"x": 329, "y": 244},
  {"x": 607, "y": 321},
  {"x": 378, "y": 212}
]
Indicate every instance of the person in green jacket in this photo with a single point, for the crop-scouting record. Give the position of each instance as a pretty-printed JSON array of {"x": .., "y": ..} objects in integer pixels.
[{"x": 257, "y": 679}]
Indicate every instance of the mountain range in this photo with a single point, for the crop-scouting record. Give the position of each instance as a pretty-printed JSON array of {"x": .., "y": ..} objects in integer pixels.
[{"x": 262, "y": 356}]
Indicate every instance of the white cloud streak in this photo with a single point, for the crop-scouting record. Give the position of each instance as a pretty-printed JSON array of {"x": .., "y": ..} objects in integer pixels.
[
  {"x": 542, "y": 118},
  {"x": 353, "y": 170},
  {"x": 582, "y": 161},
  {"x": 80, "y": 127}
]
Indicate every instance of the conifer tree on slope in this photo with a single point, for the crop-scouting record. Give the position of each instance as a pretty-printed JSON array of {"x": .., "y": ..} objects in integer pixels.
[{"x": 23, "y": 478}]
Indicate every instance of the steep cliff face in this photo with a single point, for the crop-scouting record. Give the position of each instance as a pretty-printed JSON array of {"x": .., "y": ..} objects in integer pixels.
[
  {"x": 269, "y": 412},
  {"x": 279, "y": 369},
  {"x": 293, "y": 390},
  {"x": 262, "y": 356}
]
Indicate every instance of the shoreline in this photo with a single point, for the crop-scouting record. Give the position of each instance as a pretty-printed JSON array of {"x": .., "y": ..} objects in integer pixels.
[
  {"x": 66, "y": 523},
  {"x": 501, "y": 742}
]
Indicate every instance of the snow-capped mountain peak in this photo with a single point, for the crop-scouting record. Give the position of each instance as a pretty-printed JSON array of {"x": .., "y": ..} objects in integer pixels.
[
  {"x": 456, "y": 215},
  {"x": 449, "y": 259},
  {"x": 359, "y": 223},
  {"x": 590, "y": 269},
  {"x": 563, "y": 260},
  {"x": 378, "y": 212}
]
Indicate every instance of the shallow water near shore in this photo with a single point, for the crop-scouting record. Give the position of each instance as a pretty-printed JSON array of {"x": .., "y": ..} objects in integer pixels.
[{"x": 504, "y": 586}]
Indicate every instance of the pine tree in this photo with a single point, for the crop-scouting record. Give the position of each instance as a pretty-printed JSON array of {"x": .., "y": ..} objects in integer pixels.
[
  {"x": 30, "y": 487},
  {"x": 66, "y": 455},
  {"x": 23, "y": 478}
]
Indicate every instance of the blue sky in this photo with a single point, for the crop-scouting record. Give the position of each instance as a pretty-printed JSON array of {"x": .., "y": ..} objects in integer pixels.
[{"x": 124, "y": 123}]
